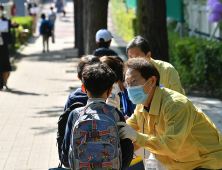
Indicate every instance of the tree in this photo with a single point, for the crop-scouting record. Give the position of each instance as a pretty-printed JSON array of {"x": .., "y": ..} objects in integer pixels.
[
  {"x": 94, "y": 19},
  {"x": 151, "y": 19},
  {"x": 78, "y": 25},
  {"x": 90, "y": 16},
  {"x": 75, "y": 23}
]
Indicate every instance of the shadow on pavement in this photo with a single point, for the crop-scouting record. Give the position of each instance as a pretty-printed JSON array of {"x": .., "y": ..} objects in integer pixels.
[
  {"x": 52, "y": 56},
  {"x": 72, "y": 80},
  {"x": 44, "y": 130},
  {"x": 51, "y": 113},
  {"x": 18, "y": 92},
  {"x": 32, "y": 40}
]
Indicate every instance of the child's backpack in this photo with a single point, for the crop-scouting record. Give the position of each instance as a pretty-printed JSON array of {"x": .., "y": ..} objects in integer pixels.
[
  {"x": 46, "y": 28},
  {"x": 95, "y": 143},
  {"x": 62, "y": 128}
]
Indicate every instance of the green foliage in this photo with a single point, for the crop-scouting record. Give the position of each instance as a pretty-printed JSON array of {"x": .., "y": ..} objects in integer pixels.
[
  {"x": 24, "y": 23},
  {"x": 198, "y": 62},
  {"x": 126, "y": 23}
]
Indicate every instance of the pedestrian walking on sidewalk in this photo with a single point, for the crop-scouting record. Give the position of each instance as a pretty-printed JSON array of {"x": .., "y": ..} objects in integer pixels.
[
  {"x": 59, "y": 6},
  {"x": 13, "y": 8},
  {"x": 33, "y": 9},
  {"x": 45, "y": 30},
  {"x": 52, "y": 18},
  {"x": 5, "y": 40}
]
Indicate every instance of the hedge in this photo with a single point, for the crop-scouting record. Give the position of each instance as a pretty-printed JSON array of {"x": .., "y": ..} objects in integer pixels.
[
  {"x": 24, "y": 23},
  {"x": 198, "y": 61}
]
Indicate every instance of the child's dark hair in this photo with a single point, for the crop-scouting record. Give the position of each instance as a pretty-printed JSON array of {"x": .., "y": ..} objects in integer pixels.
[
  {"x": 89, "y": 59},
  {"x": 116, "y": 64},
  {"x": 43, "y": 16},
  {"x": 98, "y": 78},
  {"x": 104, "y": 44}
]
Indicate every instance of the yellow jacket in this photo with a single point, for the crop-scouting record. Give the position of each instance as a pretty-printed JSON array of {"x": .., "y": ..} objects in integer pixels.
[
  {"x": 180, "y": 134},
  {"x": 169, "y": 77}
]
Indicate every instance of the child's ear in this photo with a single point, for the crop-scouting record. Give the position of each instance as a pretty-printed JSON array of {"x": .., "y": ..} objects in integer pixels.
[
  {"x": 110, "y": 90},
  {"x": 83, "y": 88}
]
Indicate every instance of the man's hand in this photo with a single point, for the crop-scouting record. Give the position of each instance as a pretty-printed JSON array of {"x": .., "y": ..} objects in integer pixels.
[{"x": 127, "y": 132}]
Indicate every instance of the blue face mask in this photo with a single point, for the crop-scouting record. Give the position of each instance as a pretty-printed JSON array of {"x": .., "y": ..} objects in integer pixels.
[{"x": 136, "y": 94}]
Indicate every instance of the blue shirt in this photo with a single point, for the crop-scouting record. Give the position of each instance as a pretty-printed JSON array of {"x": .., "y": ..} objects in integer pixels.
[
  {"x": 76, "y": 96},
  {"x": 100, "y": 52},
  {"x": 126, "y": 144},
  {"x": 43, "y": 21}
]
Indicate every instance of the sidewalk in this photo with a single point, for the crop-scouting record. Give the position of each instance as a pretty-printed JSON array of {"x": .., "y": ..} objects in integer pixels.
[
  {"x": 39, "y": 84},
  {"x": 30, "y": 111}
]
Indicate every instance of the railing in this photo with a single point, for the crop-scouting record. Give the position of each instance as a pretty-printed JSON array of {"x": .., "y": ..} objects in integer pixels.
[{"x": 197, "y": 18}]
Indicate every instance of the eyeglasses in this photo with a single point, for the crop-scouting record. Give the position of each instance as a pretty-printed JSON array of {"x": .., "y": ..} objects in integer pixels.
[{"x": 133, "y": 82}]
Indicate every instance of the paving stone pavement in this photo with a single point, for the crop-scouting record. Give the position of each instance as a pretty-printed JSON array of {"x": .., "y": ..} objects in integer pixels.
[
  {"x": 30, "y": 111},
  {"x": 39, "y": 88}
]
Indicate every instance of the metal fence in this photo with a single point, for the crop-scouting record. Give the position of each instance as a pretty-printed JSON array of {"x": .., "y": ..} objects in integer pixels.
[{"x": 197, "y": 19}]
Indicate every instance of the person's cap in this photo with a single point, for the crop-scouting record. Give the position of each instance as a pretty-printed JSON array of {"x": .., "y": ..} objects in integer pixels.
[{"x": 105, "y": 34}]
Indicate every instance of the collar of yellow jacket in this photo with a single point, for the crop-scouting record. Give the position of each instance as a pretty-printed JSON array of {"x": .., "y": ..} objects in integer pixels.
[{"x": 155, "y": 104}]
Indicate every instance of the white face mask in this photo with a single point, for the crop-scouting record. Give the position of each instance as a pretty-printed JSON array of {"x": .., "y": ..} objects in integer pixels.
[
  {"x": 1, "y": 13},
  {"x": 116, "y": 88}
]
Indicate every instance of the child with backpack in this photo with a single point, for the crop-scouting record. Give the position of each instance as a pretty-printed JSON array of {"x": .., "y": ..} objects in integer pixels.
[
  {"x": 91, "y": 139},
  {"x": 45, "y": 30},
  {"x": 79, "y": 95},
  {"x": 52, "y": 19}
]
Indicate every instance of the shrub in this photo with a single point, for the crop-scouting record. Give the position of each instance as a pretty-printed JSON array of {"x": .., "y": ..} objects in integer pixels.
[
  {"x": 126, "y": 22},
  {"x": 199, "y": 63},
  {"x": 24, "y": 23}
]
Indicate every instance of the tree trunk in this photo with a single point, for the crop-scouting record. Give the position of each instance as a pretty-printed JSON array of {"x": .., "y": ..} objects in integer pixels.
[
  {"x": 79, "y": 26},
  {"x": 95, "y": 18},
  {"x": 152, "y": 26},
  {"x": 85, "y": 15},
  {"x": 75, "y": 23}
]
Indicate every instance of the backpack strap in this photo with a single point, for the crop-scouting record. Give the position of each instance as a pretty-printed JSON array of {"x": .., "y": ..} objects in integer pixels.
[
  {"x": 98, "y": 104},
  {"x": 115, "y": 114}
]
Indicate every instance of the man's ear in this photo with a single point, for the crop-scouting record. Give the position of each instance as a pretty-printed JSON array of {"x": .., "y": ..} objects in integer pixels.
[
  {"x": 83, "y": 88},
  {"x": 154, "y": 79},
  {"x": 148, "y": 55}
]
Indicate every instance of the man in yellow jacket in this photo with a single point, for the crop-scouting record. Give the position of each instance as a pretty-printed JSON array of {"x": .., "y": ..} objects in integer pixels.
[
  {"x": 167, "y": 123},
  {"x": 139, "y": 47}
]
